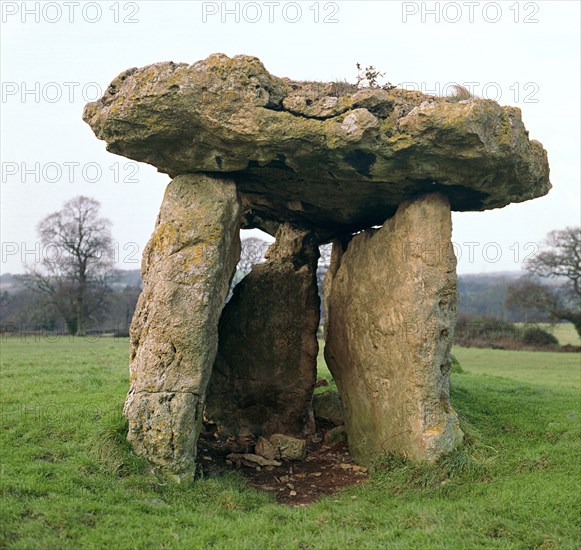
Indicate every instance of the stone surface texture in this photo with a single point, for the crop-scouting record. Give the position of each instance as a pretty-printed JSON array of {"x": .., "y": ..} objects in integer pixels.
[
  {"x": 281, "y": 446},
  {"x": 334, "y": 436},
  {"x": 187, "y": 266},
  {"x": 327, "y": 406},
  {"x": 324, "y": 155},
  {"x": 265, "y": 448},
  {"x": 265, "y": 370},
  {"x": 391, "y": 299},
  {"x": 289, "y": 448}
]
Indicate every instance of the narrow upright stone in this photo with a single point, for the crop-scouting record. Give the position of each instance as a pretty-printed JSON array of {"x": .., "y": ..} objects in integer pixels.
[
  {"x": 391, "y": 299},
  {"x": 187, "y": 266},
  {"x": 265, "y": 371}
]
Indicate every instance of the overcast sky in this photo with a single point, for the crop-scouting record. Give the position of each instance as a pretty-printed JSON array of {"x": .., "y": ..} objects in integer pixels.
[{"x": 56, "y": 56}]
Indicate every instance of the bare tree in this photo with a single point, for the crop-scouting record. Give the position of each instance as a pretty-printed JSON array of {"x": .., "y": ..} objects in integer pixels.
[
  {"x": 325, "y": 251},
  {"x": 4, "y": 298},
  {"x": 531, "y": 300},
  {"x": 323, "y": 264},
  {"x": 251, "y": 253},
  {"x": 77, "y": 262},
  {"x": 560, "y": 260}
]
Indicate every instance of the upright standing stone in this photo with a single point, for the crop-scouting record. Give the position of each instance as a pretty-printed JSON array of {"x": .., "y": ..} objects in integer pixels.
[
  {"x": 187, "y": 266},
  {"x": 391, "y": 299},
  {"x": 265, "y": 371}
]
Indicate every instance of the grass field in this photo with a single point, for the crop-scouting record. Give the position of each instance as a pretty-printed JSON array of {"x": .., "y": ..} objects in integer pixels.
[
  {"x": 564, "y": 332},
  {"x": 555, "y": 370},
  {"x": 68, "y": 480}
]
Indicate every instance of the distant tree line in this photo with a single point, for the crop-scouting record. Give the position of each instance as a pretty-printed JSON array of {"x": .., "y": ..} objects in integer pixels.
[
  {"x": 560, "y": 263},
  {"x": 36, "y": 302},
  {"x": 24, "y": 309},
  {"x": 550, "y": 291},
  {"x": 75, "y": 289}
]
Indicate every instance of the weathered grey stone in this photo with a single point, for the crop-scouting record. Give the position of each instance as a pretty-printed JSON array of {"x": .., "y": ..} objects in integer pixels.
[
  {"x": 391, "y": 299},
  {"x": 253, "y": 460},
  {"x": 327, "y": 406},
  {"x": 326, "y": 156},
  {"x": 280, "y": 446},
  {"x": 265, "y": 448},
  {"x": 187, "y": 266},
  {"x": 335, "y": 436},
  {"x": 289, "y": 448},
  {"x": 265, "y": 370}
]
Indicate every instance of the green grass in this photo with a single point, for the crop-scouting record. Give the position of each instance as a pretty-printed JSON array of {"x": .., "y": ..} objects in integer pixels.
[
  {"x": 555, "y": 370},
  {"x": 323, "y": 371},
  {"x": 564, "y": 332},
  {"x": 68, "y": 479}
]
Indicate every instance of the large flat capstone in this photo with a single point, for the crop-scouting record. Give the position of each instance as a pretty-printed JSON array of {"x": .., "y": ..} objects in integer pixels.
[{"x": 326, "y": 156}]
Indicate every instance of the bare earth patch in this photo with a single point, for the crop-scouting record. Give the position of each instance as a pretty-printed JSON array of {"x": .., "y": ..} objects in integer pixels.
[{"x": 325, "y": 471}]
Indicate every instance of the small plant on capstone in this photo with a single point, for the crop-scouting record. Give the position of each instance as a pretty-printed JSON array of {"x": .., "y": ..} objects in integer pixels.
[
  {"x": 340, "y": 88},
  {"x": 460, "y": 93},
  {"x": 368, "y": 78}
]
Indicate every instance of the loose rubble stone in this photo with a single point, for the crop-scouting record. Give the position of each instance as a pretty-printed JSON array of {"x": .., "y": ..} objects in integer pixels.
[
  {"x": 266, "y": 449},
  {"x": 253, "y": 459},
  {"x": 327, "y": 406},
  {"x": 335, "y": 436},
  {"x": 289, "y": 448}
]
